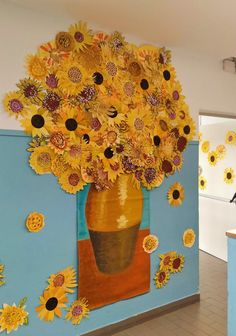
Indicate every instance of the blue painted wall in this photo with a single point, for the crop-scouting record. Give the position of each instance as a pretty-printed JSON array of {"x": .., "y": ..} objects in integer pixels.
[
  {"x": 31, "y": 258},
  {"x": 231, "y": 286}
]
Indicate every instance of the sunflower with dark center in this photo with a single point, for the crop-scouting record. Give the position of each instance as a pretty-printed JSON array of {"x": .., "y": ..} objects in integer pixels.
[
  {"x": 77, "y": 311},
  {"x": 31, "y": 89},
  {"x": 161, "y": 278},
  {"x": 212, "y": 158},
  {"x": 51, "y": 303},
  {"x": 87, "y": 94},
  {"x": 229, "y": 175},
  {"x": 202, "y": 183},
  {"x": 177, "y": 264},
  {"x": 175, "y": 194}
]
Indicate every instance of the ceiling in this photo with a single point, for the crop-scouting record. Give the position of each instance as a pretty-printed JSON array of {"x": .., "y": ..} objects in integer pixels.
[{"x": 203, "y": 26}]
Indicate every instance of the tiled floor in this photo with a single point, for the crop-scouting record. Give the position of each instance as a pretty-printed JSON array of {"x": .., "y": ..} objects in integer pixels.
[{"x": 205, "y": 318}]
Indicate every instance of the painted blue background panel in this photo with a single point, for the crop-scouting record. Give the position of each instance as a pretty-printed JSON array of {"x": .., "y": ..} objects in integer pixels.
[{"x": 31, "y": 258}]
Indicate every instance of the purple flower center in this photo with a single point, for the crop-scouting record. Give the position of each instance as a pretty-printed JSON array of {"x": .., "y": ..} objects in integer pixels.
[
  {"x": 172, "y": 115},
  {"x": 95, "y": 124},
  {"x": 52, "y": 81},
  {"x": 30, "y": 91},
  {"x": 15, "y": 105},
  {"x": 77, "y": 310},
  {"x": 175, "y": 95},
  {"x": 153, "y": 100},
  {"x": 150, "y": 174},
  {"x": 51, "y": 102},
  {"x": 87, "y": 94},
  {"x": 176, "y": 160},
  {"x": 79, "y": 37}
]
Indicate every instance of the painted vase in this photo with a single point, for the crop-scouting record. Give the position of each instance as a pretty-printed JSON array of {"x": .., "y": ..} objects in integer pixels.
[{"x": 113, "y": 218}]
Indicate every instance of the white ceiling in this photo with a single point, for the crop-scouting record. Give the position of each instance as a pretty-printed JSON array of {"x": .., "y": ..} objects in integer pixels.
[{"x": 203, "y": 26}]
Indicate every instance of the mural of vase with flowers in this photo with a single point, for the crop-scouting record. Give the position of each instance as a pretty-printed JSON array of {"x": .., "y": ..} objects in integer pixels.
[{"x": 109, "y": 114}]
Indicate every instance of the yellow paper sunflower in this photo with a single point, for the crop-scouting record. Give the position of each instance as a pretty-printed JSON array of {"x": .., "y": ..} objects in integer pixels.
[
  {"x": 2, "y": 282},
  {"x": 189, "y": 238},
  {"x": 65, "y": 279},
  {"x": 220, "y": 150},
  {"x": 177, "y": 263},
  {"x": 230, "y": 138},
  {"x": 205, "y": 146},
  {"x": 188, "y": 129},
  {"x": 59, "y": 166},
  {"x": 35, "y": 222},
  {"x": 41, "y": 159},
  {"x": 71, "y": 181},
  {"x": 83, "y": 36},
  {"x": 161, "y": 278},
  {"x": 51, "y": 303},
  {"x": 36, "y": 67},
  {"x": 37, "y": 122},
  {"x": 176, "y": 194},
  {"x": 72, "y": 77},
  {"x": 212, "y": 158},
  {"x": 229, "y": 175},
  {"x": 166, "y": 259},
  {"x": 14, "y": 104},
  {"x": 150, "y": 243},
  {"x": 12, "y": 317},
  {"x": 31, "y": 89},
  {"x": 72, "y": 121},
  {"x": 77, "y": 311},
  {"x": 202, "y": 183}
]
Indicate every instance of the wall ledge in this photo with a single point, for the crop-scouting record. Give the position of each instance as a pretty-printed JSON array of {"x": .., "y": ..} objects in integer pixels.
[
  {"x": 143, "y": 317},
  {"x": 231, "y": 233}
]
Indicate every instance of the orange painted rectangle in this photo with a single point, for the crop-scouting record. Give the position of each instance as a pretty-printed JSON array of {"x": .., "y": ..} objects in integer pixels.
[{"x": 101, "y": 289}]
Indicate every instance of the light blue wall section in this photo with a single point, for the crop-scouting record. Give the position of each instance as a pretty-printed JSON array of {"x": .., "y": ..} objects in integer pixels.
[
  {"x": 31, "y": 258},
  {"x": 231, "y": 286}
]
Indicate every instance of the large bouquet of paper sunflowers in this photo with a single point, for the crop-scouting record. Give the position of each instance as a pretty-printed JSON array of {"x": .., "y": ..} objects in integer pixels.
[{"x": 98, "y": 107}]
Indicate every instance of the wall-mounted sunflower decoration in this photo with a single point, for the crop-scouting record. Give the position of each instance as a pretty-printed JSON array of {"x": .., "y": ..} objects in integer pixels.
[
  {"x": 98, "y": 107},
  {"x": 189, "y": 238},
  {"x": 205, "y": 146},
  {"x": 202, "y": 182},
  {"x": 2, "y": 282},
  {"x": 230, "y": 138},
  {"x": 13, "y": 316},
  {"x": 77, "y": 311},
  {"x": 175, "y": 194},
  {"x": 212, "y": 158},
  {"x": 229, "y": 175},
  {"x": 220, "y": 151},
  {"x": 35, "y": 222},
  {"x": 150, "y": 243}
]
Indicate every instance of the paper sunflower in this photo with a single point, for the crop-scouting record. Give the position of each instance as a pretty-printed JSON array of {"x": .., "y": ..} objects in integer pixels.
[
  {"x": 161, "y": 278},
  {"x": 220, "y": 150},
  {"x": 202, "y": 183},
  {"x": 41, "y": 159},
  {"x": 189, "y": 238},
  {"x": 51, "y": 303},
  {"x": 176, "y": 194},
  {"x": 230, "y": 138},
  {"x": 12, "y": 317},
  {"x": 77, "y": 311},
  {"x": 35, "y": 222},
  {"x": 212, "y": 158},
  {"x": 65, "y": 279},
  {"x": 83, "y": 37},
  {"x": 37, "y": 122},
  {"x": 36, "y": 67},
  {"x": 166, "y": 259},
  {"x": 205, "y": 146},
  {"x": 101, "y": 107},
  {"x": 71, "y": 181},
  {"x": 2, "y": 282},
  {"x": 229, "y": 175},
  {"x": 150, "y": 243},
  {"x": 14, "y": 104},
  {"x": 177, "y": 264}
]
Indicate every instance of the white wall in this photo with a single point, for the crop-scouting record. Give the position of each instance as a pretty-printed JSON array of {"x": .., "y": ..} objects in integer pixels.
[{"x": 205, "y": 85}]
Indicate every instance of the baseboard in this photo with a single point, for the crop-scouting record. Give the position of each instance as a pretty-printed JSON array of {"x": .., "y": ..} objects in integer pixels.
[{"x": 143, "y": 317}]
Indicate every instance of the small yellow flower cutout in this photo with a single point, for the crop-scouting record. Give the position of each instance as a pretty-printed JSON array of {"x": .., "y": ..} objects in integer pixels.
[
  {"x": 205, "y": 146},
  {"x": 189, "y": 238},
  {"x": 150, "y": 243},
  {"x": 35, "y": 222}
]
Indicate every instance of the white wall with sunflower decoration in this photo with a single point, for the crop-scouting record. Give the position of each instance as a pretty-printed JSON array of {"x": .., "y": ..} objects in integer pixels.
[{"x": 217, "y": 182}]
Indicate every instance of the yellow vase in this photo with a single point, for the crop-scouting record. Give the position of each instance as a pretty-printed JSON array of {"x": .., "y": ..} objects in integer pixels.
[{"x": 113, "y": 218}]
